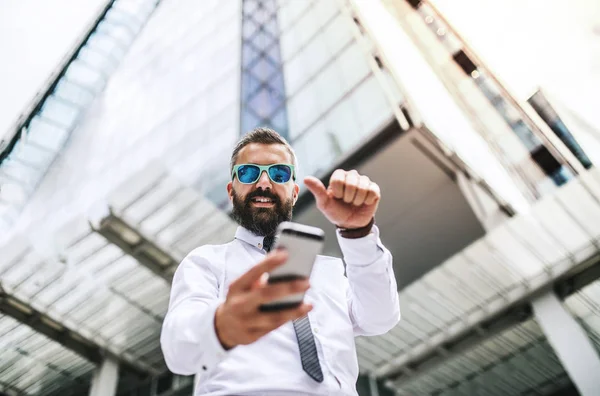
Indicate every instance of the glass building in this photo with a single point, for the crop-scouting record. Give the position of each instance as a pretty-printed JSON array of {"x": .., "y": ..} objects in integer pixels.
[{"x": 118, "y": 169}]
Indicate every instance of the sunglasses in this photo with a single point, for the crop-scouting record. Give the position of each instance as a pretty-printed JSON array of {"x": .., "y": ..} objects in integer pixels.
[{"x": 250, "y": 173}]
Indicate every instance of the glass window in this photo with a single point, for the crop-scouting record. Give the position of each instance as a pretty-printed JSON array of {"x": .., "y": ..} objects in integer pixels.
[
  {"x": 353, "y": 66},
  {"x": 295, "y": 75},
  {"x": 526, "y": 135},
  {"x": 262, "y": 68},
  {"x": 329, "y": 87},
  {"x": 303, "y": 108},
  {"x": 104, "y": 44},
  {"x": 306, "y": 27},
  {"x": 279, "y": 119},
  {"x": 45, "y": 134},
  {"x": 291, "y": 12},
  {"x": 325, "y": 10},
  {"x": 117, "y": 31},
  {"x": 116, "y": 16},
  {"x": 338, "y": 33},
  {"x": 32, "y": 155},
  {"x": 73, "y": 93},
  {"x": 97, "y": 60},
  {"x": 84, "y": 75},
  {"x": 271, "y": 28},
  {"x": 289, "y": 44},
  {"x": 342, "y": 123},
  {"x": 314, "y": 56},
  {"x": 59, "y": 111},
  {"x": 372, "y": 107},
  {"x": 249, "y": 120},
  {"x": 317, "y": 150},
  {"x": 264, "y": 101}
]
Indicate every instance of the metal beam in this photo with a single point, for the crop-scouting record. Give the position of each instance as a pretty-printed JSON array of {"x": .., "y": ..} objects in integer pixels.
[
  {"x": 515, "y": 313},
  {"x": 9, "y": 390},
  {"x": 136, "y": 245},
  {"x": 490, "y": 367},
  {"x": 69, "y": 338},
  {"x": 570, "y": 342},
  {"x": 105, "y": 379}
]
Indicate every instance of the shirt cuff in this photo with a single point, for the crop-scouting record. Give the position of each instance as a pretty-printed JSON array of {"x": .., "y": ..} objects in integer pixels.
[
  {"x": 214, "y": 352},
  {"x": 363, "y": 251}
]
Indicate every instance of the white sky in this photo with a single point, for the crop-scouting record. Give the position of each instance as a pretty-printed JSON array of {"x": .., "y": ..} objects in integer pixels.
[
  {"x": 528, "y": 43},
  {"x": 552, "y": 44},
  {"x": 34, "y": 36}
]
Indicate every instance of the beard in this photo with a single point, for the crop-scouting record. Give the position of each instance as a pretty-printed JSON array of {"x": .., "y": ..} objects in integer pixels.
[{"x": 261, "y": 221}]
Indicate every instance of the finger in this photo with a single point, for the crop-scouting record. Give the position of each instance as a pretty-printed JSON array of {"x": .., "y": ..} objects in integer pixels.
[
  {"x": 317, "y": 188},
  {"x": 247, "y": 280},
  {"x": 374, "y": 194},
  {"x": 260, "y": 282},
  {"x": 336, "y": 183},
  {"x": 266, "y": 322},
  {"x": 362, "y": 191},
  {"x": 350, "y": 186}
]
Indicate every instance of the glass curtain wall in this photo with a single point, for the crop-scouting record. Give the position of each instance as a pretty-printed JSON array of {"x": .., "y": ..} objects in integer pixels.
[
  {"x": 263, "y": 90},
  {"x": 174, "y": 97},
  {"x": 334, "y": 101},
  {"x": 38, "y": 141}
]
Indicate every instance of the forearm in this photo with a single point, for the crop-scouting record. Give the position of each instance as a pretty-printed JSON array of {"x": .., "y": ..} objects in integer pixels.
[
  {"x": 188, "y": 338},
  {"x": 189, "y": 341},
  {"x": 372, "y": 292}
]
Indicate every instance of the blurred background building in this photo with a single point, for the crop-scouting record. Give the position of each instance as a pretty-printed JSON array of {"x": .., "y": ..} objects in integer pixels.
[{"x": 478, "y": 119}]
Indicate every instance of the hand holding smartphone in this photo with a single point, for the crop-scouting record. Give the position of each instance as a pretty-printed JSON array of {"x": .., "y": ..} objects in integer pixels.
[
  {"x": 303, "y": 243},
  {"x": 251, "y": 311}
]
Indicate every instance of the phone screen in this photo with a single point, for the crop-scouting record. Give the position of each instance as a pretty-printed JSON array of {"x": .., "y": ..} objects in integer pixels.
[{"x": 302, "y": 248}]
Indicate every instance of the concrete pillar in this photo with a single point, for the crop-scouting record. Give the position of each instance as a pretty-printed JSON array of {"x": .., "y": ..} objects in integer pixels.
[
  {"x": 105, "y": 379},
  {"x": 373, "y": 386},
  {"x": 570, "y": 343}
]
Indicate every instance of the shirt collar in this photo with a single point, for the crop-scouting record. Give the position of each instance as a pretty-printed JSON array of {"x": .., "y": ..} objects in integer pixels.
[{"x": 249, "y": 237}]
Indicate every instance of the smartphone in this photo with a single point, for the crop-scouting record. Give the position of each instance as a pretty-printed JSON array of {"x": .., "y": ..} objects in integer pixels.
[{"x": 303, "y": 243}]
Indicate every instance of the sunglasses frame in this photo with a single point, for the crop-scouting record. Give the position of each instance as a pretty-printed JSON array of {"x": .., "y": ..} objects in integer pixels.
[{"x": 262, "y": 168}]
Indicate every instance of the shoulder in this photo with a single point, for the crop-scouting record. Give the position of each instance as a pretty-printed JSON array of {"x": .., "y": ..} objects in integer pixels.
[
  {"x": 208, "y": 255},
  {"x": 209, "y": 252}
]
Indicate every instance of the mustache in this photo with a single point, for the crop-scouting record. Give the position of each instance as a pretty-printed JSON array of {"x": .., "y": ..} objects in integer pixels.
[{"x": 261, "y": 193}]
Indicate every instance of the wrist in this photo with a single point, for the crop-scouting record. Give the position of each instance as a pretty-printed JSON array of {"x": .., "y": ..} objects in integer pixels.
[
  {"x": 226, "y": 344},
  {"x": 354, "y": 233}
]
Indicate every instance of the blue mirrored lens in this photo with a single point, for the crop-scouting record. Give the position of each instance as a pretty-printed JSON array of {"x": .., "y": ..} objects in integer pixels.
[
  {"x": 248, "y": 173},
  {"x": 280, "y": 173}
]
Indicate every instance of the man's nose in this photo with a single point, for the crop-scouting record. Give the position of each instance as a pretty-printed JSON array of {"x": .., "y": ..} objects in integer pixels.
[{"x": 264, "y": 181}]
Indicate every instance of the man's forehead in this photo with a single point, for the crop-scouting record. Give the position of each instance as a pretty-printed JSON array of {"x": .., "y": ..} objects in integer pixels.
[{"x": 259, "y": 153}]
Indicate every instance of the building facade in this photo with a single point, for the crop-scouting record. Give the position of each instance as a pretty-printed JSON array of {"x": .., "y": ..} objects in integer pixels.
[{"x": 490, "y": 201}]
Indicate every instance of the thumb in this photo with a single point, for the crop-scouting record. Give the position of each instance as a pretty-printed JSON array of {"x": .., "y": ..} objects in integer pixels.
[{"x": 317, "y": 188}]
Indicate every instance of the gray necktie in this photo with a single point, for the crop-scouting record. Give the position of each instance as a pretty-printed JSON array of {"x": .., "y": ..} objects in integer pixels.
[{"x": 304, "y": 334}]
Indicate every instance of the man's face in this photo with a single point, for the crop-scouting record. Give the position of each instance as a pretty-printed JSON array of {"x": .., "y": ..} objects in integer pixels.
[{"x": 262, "y": 218}]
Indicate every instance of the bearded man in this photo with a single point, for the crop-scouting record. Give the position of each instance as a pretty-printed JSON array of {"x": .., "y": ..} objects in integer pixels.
[{"x": 214, "y": 328}]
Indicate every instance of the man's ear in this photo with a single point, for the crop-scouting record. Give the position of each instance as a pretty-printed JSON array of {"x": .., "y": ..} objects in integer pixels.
[
  {"x": 296, "y": 192},
  {"x": 230, "y": 190}
]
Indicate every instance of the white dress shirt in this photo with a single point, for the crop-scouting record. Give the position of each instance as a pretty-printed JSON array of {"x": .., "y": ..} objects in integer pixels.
[{"x": 363, "y": 303}]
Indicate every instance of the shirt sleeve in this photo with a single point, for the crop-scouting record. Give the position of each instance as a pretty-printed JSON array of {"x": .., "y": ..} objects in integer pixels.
[
  {"x": 372, "y": 294},
  {"x": 188, "y": 339}
]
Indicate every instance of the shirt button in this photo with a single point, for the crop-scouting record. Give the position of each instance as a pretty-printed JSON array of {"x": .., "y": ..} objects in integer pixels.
[
  {"x": 260, "y": 245},
  {"x": 316, "y": 330}
]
